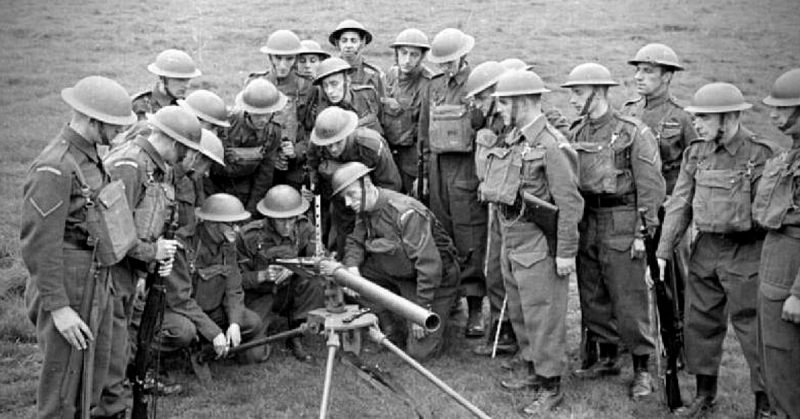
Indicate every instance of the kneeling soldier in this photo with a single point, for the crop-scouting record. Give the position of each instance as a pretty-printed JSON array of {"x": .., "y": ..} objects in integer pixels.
[
  {"x": 398, "y": 243},
  {"x": 204, "y": 291},
  {"x": 284, "y": 233}
]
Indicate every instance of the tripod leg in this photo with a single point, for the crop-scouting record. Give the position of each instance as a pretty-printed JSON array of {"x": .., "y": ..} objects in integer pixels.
[
  {"x": 380, "y": 338},
  {"x": 333, "y": 345}
]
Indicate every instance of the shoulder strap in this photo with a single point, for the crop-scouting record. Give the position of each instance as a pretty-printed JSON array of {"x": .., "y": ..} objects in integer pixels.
[{"x": 86, "y": 190}]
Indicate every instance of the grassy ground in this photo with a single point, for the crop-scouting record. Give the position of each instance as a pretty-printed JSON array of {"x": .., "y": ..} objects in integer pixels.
[{"x": 45, "y": 46}]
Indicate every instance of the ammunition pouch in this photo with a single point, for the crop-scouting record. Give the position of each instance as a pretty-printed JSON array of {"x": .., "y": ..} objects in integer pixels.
[
  {"x": 502, "y": 178},
  {"x": 246, "y": 159},
  {"x": 721, "y": 201},
  {"x": 775, "y": 195},
  {"x": 606, "y": 168},
  {"x": 398, "y": 123},
  {"x": 451, "y": 129}
]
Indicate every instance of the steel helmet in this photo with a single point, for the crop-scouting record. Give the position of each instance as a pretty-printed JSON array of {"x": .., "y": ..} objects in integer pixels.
[
  {"x": 482, "y": 77},
  {"x": 309, "y": 46},
  {"x": 222, "y": 208},
  {"x": 519, "y": 83},
  {"x": 282, "y": 201},
  {"x": 412, "y": 37},
  {"x": 333, "y": 124},
  {"x": 657, "y": 54},
  {"x": 349, "y": 25},
  {"x": 515, "y": 64},
  {"x": 282, "y": 42},
  {"x": 207, "y": 106},
  {"x": 260, "y": 97},
  {"x": 786, "y": 90},
  {"x": 589, "y": 74},
  {"x": 449, "y": 45},
  {"x": 346, "y": 174},
  {"x": 178, "y": 124},
  {"x": 718, "y": 98},
  {"x": 174, "y": 63},
  {"x": 211, "y": 146},
  {"x": 331, "y": 66},
  {"x": 102, "y": 99}
]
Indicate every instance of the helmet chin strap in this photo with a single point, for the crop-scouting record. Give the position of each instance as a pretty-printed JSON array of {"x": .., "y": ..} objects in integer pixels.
[
  {"x": 721, "y": 131},
  {"x": 166, "y": 89},
  {"x": 588, "y": 103},
  {"x": 363, "y": 196},
  {"x": 791, "y": 120}
]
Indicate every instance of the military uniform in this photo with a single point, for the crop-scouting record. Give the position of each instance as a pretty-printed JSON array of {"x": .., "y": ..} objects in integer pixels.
[
  {"x": 204, "y": 294},
  {"x": 365, "y": 146},
  {"x": 151, "y": 101},
  {"x": 453, "y": 184},
  {"x": 776, "y": 207},
  {"x": 150, "y": 192},
  {"x": 714, "y": 190},
  {"x": 620, "y": 171},
  {"x": 55, "y": 249},
  {"x": 250, "y": 155},
  {"x": 189, "y": 195},
  {"x": 367, "y": 74},
  {"x": 258, "y": 245},
  {"x": 537, "y": 160},
  {"x": 297, "y": 90},
  {"x": 405, "y": 101},
  {"x": 363, "y": 100},
  {"x": 400, "y": 245}
]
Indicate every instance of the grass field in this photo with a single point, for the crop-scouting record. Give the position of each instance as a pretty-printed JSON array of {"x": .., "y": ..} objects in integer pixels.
[{"x": 45, "y": 46}]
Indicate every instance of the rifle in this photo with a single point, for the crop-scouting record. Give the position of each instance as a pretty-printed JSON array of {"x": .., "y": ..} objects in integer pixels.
[
  {"x": 151, "y": 322},
  {"x": 669, "y": 324}
]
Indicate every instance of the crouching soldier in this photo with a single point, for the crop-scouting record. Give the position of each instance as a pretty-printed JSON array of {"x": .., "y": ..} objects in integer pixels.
[
  {"x": 284, "y": 233},
  {"x": 204, "y": 294},
  {"x": 398, "y": 244}
]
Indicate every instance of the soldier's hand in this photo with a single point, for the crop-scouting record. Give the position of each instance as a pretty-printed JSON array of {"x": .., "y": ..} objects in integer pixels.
[
  {"x": 328, "y": 266},
  {"x": 307, "y": 194},
  {"x": 565, "y": 266},
  {"x": 165, "y": 249},
  {"x": 637, "y": 248},
  {"x": 662, "y": 267},
  {"x": 281, "y": 162},
  {"x": 287, "y": 149},
  {"x": 791, "y": 310},
  {"x": 418, "y": 332},
  {"x": 262, "y": 276},
  {"x": 220, "y": 345},
  {"x": 72, "y": 327},
  {"x": 233, "y": 335},
  {"x": 278, "y": 274},
  {"x": 165, "y": 267}
]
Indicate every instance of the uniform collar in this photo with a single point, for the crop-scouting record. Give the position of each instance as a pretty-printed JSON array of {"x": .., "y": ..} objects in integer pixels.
[
  {"x": 382, "y": 201},
  {"x": 79, "y": 142},
  {"x": 652, "y": 102},
  {"x": 794, "y": 133},
  {"x": 151, "y": 151},
  {"x": 603, "y": 119},
  {"x": 732, "y": 145},
  {"x": 533, "y": 128},
  {"x": 461, "y": 77},
  {"x": 358, "y": 61},
  {"x": 162, "y": 98}
]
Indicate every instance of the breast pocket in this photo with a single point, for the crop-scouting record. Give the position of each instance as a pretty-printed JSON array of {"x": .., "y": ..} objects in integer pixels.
[
  {"x": 721, "y": 201},
  {"x": 670, "y": 141},
  {"x": 388, "y": 256},
  {"x": 398, "y": 122},
  {"x": 598, "y": 172}
]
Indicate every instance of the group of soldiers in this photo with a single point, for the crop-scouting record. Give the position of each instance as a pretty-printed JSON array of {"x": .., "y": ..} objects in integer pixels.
[{"x": 438, "y": 184}]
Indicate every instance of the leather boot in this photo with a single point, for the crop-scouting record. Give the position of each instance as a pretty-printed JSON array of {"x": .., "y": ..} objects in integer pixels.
[
  {"x": 763, "y": 409},
  {"x": 474, "y": 327},
  {"x": 506, "y": 345},
  {"x": 547, "y": 398},
  {"x": 705, "y": 400},
  {"x": 607, "y": 363},
  {"x": 642, "y": 384},
  {"x": 529, "y": 380}
]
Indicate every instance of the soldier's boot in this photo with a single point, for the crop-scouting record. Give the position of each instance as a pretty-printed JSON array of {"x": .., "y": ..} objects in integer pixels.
[
  {"x": 474, "y": 327},
  {"x": 160, "y": 385},
  {"x": 705, "y": 400},
  {"x": 513, "y": 363},
  {"x": 548, "y": 397},
  {"x": 607, "y": 363},
  {"x": 642, "y": 384},
  {"x": 763, "y": 409},
  {"x": 528, "y": 379},
  {"x": 506, "y": 344}
]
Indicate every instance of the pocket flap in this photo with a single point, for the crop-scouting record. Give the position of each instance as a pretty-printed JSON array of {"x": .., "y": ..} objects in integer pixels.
[
  {"x": 486, "y": 137},
  {"x": 498, "y": 152},
  {"x": 381, "y": 245},
  {"x": 534, "y": 154},
  {"x": 209, "y": 272},
  {"x": 527, "y": 259},
  {"x": 620, "y": 243},
  {"x": 725, "y": 179},
  {"x": 111, "y": 193}
]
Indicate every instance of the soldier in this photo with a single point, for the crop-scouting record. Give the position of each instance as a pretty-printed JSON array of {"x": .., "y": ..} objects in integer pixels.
[
  {"x": 553, "y": 115},
  {"x": 398, "y": 243},
  {"x": 145, "y": 165},
  {"x": 714, "y": 190},
  {"x": 334, "y": 88},
  {"x": 776, "y": 209},
  {"x": 189, "y": 174},
  {"x": 350, "y": 38},
  {"x": 536, "y": 160},
  {"x": 174, "y": 69},
  {"x": 406, "y": 99},
  {"x": 209, "y": 109},
  {"x": 268, "y": 288},
  {"x": 66, "y": 282},
  {"x": 480, "y": 87},
  {"x": 620, "y": 172},
  {"x": 251, "y": 144},
  {"x": 282, "y": 48},
  {"x": 309, "y": 58},
  {"x": 204, "y": 296},
  {"x": 337, "y": 139},
  {"x": 452, "y": 179}
]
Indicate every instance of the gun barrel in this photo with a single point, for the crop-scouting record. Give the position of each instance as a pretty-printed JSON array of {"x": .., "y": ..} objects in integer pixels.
[{"x": 388, "y": 299}]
